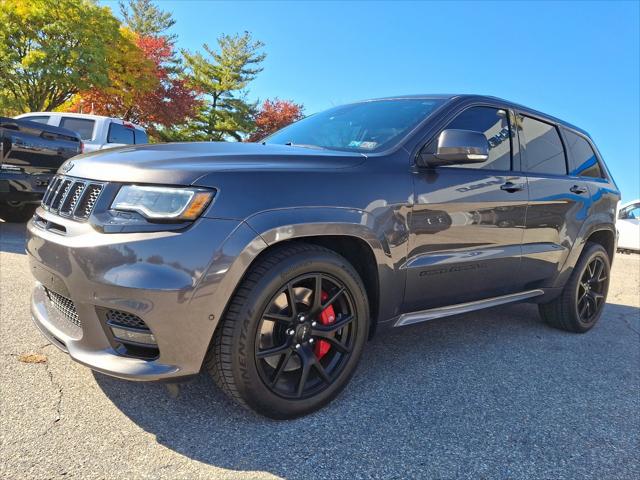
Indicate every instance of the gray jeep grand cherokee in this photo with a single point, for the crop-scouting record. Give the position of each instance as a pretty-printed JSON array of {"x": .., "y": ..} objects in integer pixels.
[{"x": 271, "y": 264}]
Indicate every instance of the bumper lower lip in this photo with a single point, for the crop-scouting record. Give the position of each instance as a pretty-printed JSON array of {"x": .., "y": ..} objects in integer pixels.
[{"x": 104, "y": 360}]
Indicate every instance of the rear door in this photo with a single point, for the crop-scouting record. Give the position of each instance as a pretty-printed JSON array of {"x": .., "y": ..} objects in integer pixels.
[
  {"x": 467, "y": 221},
  {"x": 558, "y": 203}
]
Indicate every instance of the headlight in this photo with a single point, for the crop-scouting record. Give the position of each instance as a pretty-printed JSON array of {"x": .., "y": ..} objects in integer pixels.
[{"x": 160, "y": 203}]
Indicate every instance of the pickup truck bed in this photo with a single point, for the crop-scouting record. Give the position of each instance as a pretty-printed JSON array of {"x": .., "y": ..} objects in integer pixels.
[{"x": 30, "y": 154}]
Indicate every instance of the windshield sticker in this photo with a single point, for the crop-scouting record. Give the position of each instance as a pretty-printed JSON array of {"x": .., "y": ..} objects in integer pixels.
[
  {"x": 354, "y": 143},
  {"x": 368, "y": 145}
]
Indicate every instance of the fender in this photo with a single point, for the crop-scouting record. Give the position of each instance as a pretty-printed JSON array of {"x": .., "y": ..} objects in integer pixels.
[
  {"x": 595, "y": 223},
  {"x": 385, "y": 232}
]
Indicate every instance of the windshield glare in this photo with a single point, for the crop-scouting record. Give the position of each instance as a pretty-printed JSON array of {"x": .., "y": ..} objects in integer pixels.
[{"x": 361, "y": 127}]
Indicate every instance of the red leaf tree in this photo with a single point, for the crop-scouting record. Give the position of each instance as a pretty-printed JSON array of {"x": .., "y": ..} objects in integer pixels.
[
  {"x": 274, "y": 115},
  {"x": 170, "y": 102}
]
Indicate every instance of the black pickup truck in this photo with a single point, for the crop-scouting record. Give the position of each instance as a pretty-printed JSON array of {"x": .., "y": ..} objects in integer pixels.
[{"x": 30, "y": 154}]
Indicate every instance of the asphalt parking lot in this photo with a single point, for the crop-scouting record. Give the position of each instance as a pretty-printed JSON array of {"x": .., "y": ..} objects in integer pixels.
[{"x": 490, "y": 395}]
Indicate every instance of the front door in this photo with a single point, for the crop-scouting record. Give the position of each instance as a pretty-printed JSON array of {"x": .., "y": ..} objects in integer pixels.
[{"x": 467, "y": 221}]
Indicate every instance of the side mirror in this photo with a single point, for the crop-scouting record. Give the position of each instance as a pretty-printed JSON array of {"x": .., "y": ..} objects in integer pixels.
[{"x": 456, "y": 147}]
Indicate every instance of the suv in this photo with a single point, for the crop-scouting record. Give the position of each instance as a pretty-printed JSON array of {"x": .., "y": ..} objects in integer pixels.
[
  {"x": 271, "y": 264},
  {"x": 97, "y": 132}
]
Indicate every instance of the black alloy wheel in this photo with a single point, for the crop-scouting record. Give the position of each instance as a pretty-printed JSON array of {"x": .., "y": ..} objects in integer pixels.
[
  {"x": 582, "y": 300},
  {"x": 591, "y": 290},
  {"x": 291, "y": 330}
]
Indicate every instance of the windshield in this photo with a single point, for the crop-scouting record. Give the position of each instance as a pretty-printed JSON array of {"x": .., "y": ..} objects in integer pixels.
[{"x": 361, "y": 127}]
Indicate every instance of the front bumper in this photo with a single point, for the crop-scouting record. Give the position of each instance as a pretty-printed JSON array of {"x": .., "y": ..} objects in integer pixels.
[{"x": 177, "y": 282}]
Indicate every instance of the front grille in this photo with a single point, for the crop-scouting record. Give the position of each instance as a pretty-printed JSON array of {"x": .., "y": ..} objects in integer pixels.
[
  {"x": 64, "y": 306},
  {"x": 125, "y": 319},
  {"x": 72, "y": 197}
]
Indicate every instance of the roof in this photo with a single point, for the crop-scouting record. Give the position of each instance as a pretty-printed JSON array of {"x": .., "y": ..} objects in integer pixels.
[
  {"x": 467, "y": 96},
  {"x": 77, "y": 115}
]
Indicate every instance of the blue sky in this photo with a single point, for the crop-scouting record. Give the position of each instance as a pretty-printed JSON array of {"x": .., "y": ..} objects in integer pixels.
[{"x": 576, "y": 60}]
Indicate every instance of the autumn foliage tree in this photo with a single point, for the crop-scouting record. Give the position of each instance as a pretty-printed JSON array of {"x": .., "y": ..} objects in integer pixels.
[
  {"x": 150, "y": 96},
  {"x": 274, "y": 115}
]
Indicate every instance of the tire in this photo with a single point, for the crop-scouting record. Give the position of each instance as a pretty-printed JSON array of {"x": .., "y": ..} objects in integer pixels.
[
  {"x": 17, "y": 212},
  {"x": 271, "y": 312},
  {"x": 582, "y": 300}
]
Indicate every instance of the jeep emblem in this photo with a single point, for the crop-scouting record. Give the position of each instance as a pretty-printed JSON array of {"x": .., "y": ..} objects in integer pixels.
[{"x": 66, "y": 167}]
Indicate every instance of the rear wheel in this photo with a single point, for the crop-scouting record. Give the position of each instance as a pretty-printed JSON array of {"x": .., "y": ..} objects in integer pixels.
[
  {"x": 293, "y": 333},
  {"x": 580, "y": 305},
  {"x": 17, "y": 212}
]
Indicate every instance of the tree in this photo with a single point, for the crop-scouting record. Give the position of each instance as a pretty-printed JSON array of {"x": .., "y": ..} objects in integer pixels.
[
  {"x": 147, "y": 20},
  {"x": 274, "y": 115},
  {"x": 221, "y": 76},
  {"x": 141, "y": 89},
  {"x": 51, "y": 50}
]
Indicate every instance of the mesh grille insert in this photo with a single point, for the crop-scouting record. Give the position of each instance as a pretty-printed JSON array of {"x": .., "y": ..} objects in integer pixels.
[
  {"x": 64, "y": 306},
  {"x": 88, "y": 201},
  {"x": 125, "y": 319}
]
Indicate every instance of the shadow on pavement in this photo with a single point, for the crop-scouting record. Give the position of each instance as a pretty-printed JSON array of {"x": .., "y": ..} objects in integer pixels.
[
  {"x": 495, "y": 394},
  {"x": 12, "y": 237}
]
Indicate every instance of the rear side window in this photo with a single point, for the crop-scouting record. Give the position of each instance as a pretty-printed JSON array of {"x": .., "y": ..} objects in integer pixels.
[
  {"x": 141, "y": 136},
  {"x": 543, "y": 148},
  {"x": 583, "y": 161},
  {"x": 39, "y": 119},
  {"x": 494, "y": 124},
  {"x": 118, "y": 133},
  {"x": 82, "y": 126}
]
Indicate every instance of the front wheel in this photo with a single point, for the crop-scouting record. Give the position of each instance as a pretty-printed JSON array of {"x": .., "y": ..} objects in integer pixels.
[
  {"x": 293, "y": 333},
  {"x": 582, "y": 300}
]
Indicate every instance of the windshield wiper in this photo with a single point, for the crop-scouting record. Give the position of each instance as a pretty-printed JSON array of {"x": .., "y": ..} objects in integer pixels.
[{"x": 305, "y": 145}]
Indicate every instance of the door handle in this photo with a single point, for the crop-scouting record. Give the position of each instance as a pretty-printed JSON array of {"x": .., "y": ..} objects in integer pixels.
[
  {"x": 578, "y": 189},
  {"x": 512, "y": 187}
]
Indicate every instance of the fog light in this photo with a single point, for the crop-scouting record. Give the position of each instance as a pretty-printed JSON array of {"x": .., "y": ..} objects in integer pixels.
[{"x": 133, "y": 336}]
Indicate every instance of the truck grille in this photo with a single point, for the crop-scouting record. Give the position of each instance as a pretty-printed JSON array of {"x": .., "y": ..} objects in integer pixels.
[
  {"x": 71, "y": 197},
  {"x": 65, "y": 306}
]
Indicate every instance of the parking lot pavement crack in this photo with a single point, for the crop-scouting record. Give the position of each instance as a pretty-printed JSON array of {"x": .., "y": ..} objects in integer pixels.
[
  {"x": 628, "y": 323},
  {"x": 60, "y": 391}
]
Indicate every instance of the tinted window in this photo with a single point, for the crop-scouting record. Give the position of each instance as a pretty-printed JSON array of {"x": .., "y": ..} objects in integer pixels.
[
  {"x": 542, "y": 147},
  {"x": 360, "y": 127},
  {"x": 118, "y": 133},
  {"x": 583, "y": 162},
  {"x": 82, "y": 126},
  {"x": 40, "y": 119},
  {"x": 141, "y": 136},
  {"x": 494, "y": 124}
]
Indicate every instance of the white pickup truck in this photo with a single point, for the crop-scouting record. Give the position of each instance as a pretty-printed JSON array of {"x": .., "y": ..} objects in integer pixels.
[{"x": 97, "y": 132}]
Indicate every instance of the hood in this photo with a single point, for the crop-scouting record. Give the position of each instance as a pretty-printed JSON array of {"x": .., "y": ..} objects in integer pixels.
[{"x": 184, "y": 163}]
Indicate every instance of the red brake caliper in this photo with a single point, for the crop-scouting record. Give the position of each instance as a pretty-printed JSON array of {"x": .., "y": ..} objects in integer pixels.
[{"x": 327, "y": 317}]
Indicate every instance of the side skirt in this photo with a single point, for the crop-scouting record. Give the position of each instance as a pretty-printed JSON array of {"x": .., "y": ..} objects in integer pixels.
[{"x": 433, "y": 313}]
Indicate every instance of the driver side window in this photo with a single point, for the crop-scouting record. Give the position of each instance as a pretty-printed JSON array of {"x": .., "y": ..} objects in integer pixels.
[{"x": 494, "y": 124}]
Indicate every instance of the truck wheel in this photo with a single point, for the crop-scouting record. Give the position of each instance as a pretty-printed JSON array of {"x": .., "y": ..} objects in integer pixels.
[
  {"x": 580, "y": 305},
  {"x": 293, "y": 332},
  {"x": 17, "y": 212}
]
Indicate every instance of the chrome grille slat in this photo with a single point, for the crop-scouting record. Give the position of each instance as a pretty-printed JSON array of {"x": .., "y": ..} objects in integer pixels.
[
  {"x": 88, "y": 202},
  {"x": 72, "y": 197},
  {"x": 62, "y": 192}
]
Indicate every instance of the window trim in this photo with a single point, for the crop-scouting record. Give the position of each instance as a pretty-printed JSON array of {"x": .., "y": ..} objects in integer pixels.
[
  {"x": 603, "y": 170},
  {"x": 450, "y": 118},
  {"x": 523, "y": 146}
]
